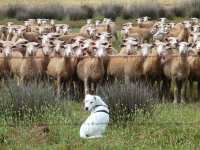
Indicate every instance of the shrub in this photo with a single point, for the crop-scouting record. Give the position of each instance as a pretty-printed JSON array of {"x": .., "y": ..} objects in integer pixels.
[
  {"x": 77, "y": 13},
  {"x": 12, "y": 10},
  {"x": 48, "y": 11},
  {"x": 125, "y": 99},
  {"x": 193, "y": 8},
  {"x": 109, "y": 11},
  {"x": 20, "y": 102}
]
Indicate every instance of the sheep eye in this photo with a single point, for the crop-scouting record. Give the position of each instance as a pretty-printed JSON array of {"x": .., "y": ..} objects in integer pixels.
[{"x": 91, "y": 102}]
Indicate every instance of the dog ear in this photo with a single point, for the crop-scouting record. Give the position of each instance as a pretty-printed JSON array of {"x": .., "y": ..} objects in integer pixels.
[{"x": 95, "y": 98}]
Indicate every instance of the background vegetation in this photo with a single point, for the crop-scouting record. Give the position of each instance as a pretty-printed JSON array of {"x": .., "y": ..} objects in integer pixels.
[{"x": 154, "y": 9}]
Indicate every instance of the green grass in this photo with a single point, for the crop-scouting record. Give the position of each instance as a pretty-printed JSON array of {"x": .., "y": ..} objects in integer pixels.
[{"x": 169, "y": 127}]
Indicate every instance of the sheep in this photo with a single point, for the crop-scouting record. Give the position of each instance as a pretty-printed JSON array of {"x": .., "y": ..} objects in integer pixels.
[
  {"x": 91, "y": 69},
  {"x": 69, "y": 38},
  {"x": 42, "y": 59},
  {"x": 31, "y": 36},
  {"x": 83, "y": 29},
  {"x": 152, "y": 68},
  {"x": 62, "y": 67},
  {"x": 129, "y": 47},
  {"x": 180, "y": 32},
  {"x": 133, "y": 68},
  {"x": 29, "y": 69},
  {"x": 4, "y": 59},
  {"x": 194, "y": 63},
  {"x": 177, "y": 69},
  {"x": 144, "y": 22},
  {"x": 144, "y": 33}
]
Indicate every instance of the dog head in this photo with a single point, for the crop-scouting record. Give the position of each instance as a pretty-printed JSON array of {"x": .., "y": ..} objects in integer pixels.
[{"x": 91, "y": 101}]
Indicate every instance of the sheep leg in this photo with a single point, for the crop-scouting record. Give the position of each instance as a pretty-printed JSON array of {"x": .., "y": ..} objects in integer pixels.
[
  {"x": 191, "y": 88},
  {"x": 165, "y": 89},
  {"x": 127, "y": 79},
  {"x": 175, "y": 92},
  {"x": 93, "y": 88},
  {"x": 198, "y": 88},
  {"x": 58, "y": 86},
  {"x": 183, "y": 91},
  {"x": 86, "y": 86}
]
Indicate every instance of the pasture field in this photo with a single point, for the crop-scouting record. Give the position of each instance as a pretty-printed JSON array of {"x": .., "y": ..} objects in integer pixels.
[{"x": 169, "y": 127}]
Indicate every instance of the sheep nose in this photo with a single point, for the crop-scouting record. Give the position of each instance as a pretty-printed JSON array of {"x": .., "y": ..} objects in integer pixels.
[{"x": 86, "y": 108}]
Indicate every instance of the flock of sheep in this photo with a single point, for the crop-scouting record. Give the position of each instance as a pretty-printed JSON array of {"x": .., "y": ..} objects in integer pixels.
[{"x": 163, "y": 53}]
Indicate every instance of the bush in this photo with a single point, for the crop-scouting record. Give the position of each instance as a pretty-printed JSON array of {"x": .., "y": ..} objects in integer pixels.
[
  {"x": 12, "y": 10},
  {"x": 77, "y": 13},
  {"x": 193, "y": 8},
  {"x": 109, "y": 11},
  {"x": 125, "y": 99},
  {"x": 20, "y": 102},
  {"x": 49, "y": 12}
]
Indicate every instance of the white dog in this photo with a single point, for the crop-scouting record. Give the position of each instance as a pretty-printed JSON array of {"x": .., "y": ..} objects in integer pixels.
[{"x": 95, "y": 125}]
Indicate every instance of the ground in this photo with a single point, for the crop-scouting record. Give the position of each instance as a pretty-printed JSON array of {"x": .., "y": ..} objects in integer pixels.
[{"x": 168, "y": 127}]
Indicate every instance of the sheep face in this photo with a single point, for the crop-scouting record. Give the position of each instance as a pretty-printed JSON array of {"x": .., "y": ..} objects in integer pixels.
[
  {"x": 47, "y": 49},
  {"x": 196, "y": 28},
  {"x": 66, "y": 30},
  {"x": 97, "y": 22},
  {"x": 91, "y": 31},
  {"x": 31, "y": 48},
  {"x": 196, "y": 37},
  {"x": 101, "y": 51},
  {"x": 125, "y": 30},
  {"x": 163, "y": 20},
  {"x": 198, "y": 46},
  {"x": 139, "y": 20},
  {"x": 7, "y": 50},
  {"x": 195, "y": 20},
  {"x": 187, "y": 24},
  {"x": 52, "y": 22},
  {"x": 26, "y": 23},
  {"x": 10, "y": 24},
  {"x": 146, "y": 18},
  {"x": 89, "y": 21},
  {"x": 183, "y": 47},
  {"x": 145, "y": 49},
  {"x": 68, "y": 50},
  {"x": 173, "y": 42},
  {"x": 39, "y": 21},
  {"x": 162, "y": 48},
  {"x": 58, "y": 46},
  {"x": 10, "y": 30}
]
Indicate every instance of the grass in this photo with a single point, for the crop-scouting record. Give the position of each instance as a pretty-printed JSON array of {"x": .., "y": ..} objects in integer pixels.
[{"x": 169, "y": 127}]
